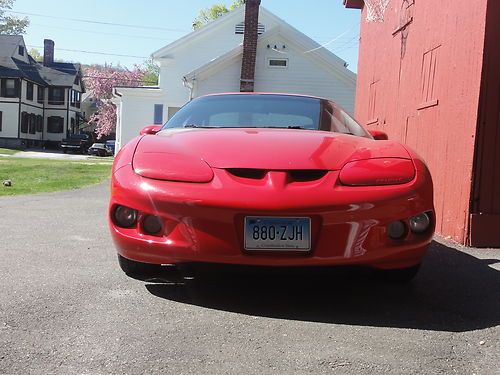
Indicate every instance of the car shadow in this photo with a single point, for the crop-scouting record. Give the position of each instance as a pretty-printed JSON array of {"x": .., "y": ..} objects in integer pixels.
[{"x": 453, "y": 292}]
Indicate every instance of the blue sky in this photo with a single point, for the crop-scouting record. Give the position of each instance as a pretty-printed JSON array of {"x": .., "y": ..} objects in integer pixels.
[{"x": 163, "y": 21}]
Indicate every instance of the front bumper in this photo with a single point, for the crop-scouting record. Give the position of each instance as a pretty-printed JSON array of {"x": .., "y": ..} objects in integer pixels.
[{"x": 204, "y": 222}]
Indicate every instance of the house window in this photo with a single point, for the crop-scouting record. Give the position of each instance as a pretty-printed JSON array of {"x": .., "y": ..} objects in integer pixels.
[
  {"x": 72, "y": 98},
  {"x": 10, "y": 88},
  {"x": 78, "y": 98},
  {"x": 1, "y": 121},
  {"x": 158, "y": 119},
  {"x": 21, "y": 50},
  {"x": 56, "y": 95},
  {"x": 277, "y": 63},
  {"x": 32, "y": 123},
  {"x": 55, "y": 124},
  {"x": 41, "y": 94},
  {"x": 24, "y": 122},
  {"x": 39, "y": 124},
  {"x": 29, "y": 90}
]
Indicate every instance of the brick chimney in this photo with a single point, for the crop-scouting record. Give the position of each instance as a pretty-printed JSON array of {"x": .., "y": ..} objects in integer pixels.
[
  {"x": 48, "y": 52},
  {"x": 250, "y": 45}
]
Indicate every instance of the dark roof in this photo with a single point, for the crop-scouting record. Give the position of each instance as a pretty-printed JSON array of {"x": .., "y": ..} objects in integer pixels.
[
  {"x": 29, "y": 71},
  {"x": 57, "y": 74}
]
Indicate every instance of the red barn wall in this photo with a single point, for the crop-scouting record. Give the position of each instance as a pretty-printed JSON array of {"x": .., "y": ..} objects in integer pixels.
[
  {"x": 485, "y": 217},
  {"x": 421, "y": 85}
]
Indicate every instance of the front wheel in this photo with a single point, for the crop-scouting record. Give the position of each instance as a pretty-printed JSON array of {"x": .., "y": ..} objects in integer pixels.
[{"x": 398, "y": 276}]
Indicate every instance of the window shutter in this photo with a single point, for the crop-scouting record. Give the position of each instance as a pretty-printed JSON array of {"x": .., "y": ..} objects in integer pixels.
[{"x": 18, "y": 88}]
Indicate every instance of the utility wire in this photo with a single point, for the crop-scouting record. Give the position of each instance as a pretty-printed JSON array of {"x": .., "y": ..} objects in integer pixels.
[
  {"x": 91, "y": 52},
  {"x": 102, "y": 33},
  {"x": 100, "y": 22}
]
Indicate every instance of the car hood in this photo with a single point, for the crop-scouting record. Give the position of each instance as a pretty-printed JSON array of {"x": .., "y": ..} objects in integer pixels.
[{"x": 274, "y": 149}]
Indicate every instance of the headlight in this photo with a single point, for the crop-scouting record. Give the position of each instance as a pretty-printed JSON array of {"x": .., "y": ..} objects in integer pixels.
[
  {"x": 172, "y": 167},
  {"x": 375, "y": 172}
]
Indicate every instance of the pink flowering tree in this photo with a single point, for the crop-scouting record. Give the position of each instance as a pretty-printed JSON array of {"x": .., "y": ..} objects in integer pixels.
[{"x": 99, "y": 82}]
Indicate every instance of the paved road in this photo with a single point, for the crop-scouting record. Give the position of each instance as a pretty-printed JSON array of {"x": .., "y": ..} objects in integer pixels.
[{"x": 66, "y": 308}]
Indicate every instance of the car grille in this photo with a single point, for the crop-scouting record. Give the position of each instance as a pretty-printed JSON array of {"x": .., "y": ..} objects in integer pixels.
[{"x": 295, "y": 175}]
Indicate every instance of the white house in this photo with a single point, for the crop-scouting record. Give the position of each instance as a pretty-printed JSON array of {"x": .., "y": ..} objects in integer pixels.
[
  {"x": 39, "y": 103},
  {"x": 211, "y": 60}
]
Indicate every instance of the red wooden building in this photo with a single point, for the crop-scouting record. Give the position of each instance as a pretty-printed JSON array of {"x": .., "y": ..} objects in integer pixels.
[{"x": 429, "y": 76}]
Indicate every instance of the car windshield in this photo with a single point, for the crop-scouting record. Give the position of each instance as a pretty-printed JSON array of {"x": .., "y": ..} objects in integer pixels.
[{"x": 264, "y": 111}]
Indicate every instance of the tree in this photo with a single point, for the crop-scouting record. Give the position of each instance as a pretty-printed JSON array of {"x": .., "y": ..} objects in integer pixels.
[
  {"x": 215, "y": 11},
  {"x": 35, "y": 54},
  {"x": 151, "y": 73},
  {"x": 10, "y": 24},
  {"x": 99, "y": 81}
]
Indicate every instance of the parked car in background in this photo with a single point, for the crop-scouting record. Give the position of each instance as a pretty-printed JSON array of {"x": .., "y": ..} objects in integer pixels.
[
  {"x": 100, "y": 149},
  {"x": 76, "y": 143},
  {"x": 111, "y": 145}
]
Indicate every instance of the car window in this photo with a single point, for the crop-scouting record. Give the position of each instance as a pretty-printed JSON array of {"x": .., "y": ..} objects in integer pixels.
[
  {"x": 255, "y": 111},
  {"x": 265, "y": 111}
]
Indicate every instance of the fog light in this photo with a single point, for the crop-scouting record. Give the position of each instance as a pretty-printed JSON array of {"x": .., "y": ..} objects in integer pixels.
[
  {"x": 125, "y": 217},
  {"x": 152, "y": 225},
  {"x": 420, "y": 223},
  {"x": 397, "y": 230}
]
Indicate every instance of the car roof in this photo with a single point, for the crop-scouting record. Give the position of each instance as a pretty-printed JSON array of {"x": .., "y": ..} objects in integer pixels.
[{"x": 265, "y": 93}]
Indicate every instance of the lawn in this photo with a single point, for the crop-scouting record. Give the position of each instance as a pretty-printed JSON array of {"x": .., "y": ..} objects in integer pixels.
[
  {"x": 7, "y": 151},
  {"x": 31, "y": 176}
]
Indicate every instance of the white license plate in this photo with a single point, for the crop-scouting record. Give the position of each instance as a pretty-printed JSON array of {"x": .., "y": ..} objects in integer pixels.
[{"x": 278, "y": 233}]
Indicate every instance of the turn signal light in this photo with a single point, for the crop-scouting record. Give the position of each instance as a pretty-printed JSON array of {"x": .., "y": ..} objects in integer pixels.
[
  {"x": 376, "y": 172},
  {"x": 152, "y": 225},
  {"x": 397, "y": 230}
]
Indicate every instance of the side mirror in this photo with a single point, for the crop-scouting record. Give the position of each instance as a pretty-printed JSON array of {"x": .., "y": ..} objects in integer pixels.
[
  {"x": 378, "y": 135},
  {"x": 150, "y": 129}
]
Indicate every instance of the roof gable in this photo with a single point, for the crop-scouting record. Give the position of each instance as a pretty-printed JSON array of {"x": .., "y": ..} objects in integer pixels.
[{"x": 310, "y": 48}]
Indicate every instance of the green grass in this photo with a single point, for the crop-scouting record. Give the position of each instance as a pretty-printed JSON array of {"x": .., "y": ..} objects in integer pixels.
[
  {"x": 8, "y": 151},
  {"x": 31, "y": 176}
]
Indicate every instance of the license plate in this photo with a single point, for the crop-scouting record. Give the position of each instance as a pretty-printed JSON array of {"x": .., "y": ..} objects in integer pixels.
[{"x": 278, "y": 233}]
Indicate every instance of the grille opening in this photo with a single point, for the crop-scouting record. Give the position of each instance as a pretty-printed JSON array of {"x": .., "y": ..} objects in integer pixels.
[
  {"x": 303, "y": 175},
  {"x": 255, "y": 174}
]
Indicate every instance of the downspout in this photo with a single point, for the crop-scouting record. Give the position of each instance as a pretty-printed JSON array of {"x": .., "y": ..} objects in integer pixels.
[{"x": 189, "y": 86}]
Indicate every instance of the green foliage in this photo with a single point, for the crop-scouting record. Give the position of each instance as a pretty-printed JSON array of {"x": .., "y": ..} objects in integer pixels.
[
  {"x": 11, "y": 25},
  {"x": 35, "y": 54},
  {"x": 151, "y": 73},
  {"x": 215, "y": 11}
]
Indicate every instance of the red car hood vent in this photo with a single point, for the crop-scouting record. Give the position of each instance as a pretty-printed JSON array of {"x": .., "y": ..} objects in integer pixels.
[{"x": 269, "y": 149}]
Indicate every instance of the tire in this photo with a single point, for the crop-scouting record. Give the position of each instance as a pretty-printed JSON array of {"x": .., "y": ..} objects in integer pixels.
[
  {"x": 65, "y": 151},
  {"x": 397, "y": 276}
]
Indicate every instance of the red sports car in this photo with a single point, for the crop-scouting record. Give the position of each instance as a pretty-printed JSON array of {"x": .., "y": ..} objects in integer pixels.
[{"x": 269, "y": 180}]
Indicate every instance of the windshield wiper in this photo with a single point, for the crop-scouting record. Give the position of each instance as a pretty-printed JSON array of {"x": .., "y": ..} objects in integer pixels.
[{"x": 194, "y": 126}]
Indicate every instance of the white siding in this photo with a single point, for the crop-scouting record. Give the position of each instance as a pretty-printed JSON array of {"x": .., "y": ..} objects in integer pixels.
[
  {"x": 304, "y": 74},
  {"x": 10, "y": 119},
  {"x": 227, "y": 79},
  {"x": 206, "y": 47},
  {"x": 135, "y": 112}
]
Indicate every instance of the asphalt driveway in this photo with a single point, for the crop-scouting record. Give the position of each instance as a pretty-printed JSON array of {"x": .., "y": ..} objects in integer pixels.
[{"x": 66, "y": 308}]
